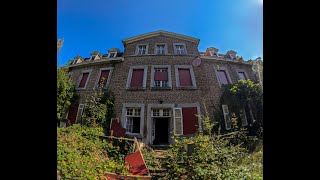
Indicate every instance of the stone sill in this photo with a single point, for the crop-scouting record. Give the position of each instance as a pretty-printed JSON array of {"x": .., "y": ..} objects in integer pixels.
[
  {"x": 161, "y": 88},
  {"x": 187, "y": 88},
  {"x": 136, "y": 89}
]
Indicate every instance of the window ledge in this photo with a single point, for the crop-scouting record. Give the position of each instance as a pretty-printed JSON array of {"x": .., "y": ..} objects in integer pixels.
[
  {"x": 161, "y": 88},
  {"x": 187, "y": 87},
  {"x": 136, "y": 88}
]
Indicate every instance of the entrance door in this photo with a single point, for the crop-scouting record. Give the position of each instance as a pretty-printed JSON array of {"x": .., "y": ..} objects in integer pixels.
[
  {"x": 161, "y": 131},
  {"x": 72, "y": 115}
]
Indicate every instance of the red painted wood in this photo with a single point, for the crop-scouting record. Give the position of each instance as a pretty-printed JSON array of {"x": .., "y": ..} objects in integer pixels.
[
  {"x": 161, "y": 76},
  {"x": 136, "y": 162},
  {"x": 185, "y": 77},
  {"x": 72, "y": 115},
  {"x": 137, "y": 78},
  {"x": 83, "y": 80},
  {"x": 190, "y": 120}
]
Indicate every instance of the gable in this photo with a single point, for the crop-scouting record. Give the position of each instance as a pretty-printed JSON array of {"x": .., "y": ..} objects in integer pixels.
[{"x": 160, "y": 33}]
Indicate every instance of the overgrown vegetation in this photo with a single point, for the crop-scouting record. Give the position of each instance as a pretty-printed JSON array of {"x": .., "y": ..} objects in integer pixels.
[
  {"x": 96, "y": 110},
  {"x": 65, "y": 91},
  {"x": 82, "y": 155},
  {"x": 246, "y": 95},
  {"x": 213, "y": 156}
]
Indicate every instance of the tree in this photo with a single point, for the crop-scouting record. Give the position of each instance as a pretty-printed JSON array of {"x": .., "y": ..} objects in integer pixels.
[
  {"x": 65, "y": 91},
  {"x": 59, "y": 44},
  {"x": 96, "y": 108}
]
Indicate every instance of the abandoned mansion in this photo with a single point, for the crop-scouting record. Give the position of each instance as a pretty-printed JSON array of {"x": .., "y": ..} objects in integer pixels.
[{"x": 161, "y": 82}]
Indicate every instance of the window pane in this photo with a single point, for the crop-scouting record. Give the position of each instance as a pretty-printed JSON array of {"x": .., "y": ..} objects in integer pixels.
[
  {"x": 155, "y": 112},
  {"x": 129, "y": 111},
  {"x": 223, "y": 77},
  {"x": 136, "y": 125},
  {"x": 83, "y": 80},
  {"x": 166, "y": 112},
  {"x": 129, "y": 125},
  {"x": 103, "y": 77},
  {"x": 137, "y": 112}
]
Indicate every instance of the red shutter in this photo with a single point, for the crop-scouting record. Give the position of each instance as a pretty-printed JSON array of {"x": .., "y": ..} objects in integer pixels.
[
  {"x": 83, "y": 80},
  {"x": 161, "y": 76},
  {"x": 137, "y": 78},
  {"x": 223, "y": 77},
  {"x": 190, "y": 120},
  {"x": 72, "y": 114},
  {"x": 104, "y": 74},
  {"x": 185, "y": 77}
]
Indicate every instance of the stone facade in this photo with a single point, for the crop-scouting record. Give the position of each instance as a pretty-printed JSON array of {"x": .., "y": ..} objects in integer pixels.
[{"x": 207, "y": 90}]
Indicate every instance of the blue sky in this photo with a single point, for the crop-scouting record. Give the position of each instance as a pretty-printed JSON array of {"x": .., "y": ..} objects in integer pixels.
[{"x": 88, "y": 25}]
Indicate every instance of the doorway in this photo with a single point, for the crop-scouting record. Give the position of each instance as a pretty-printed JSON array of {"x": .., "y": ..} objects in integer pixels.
[{"x": 161, "y": 131}]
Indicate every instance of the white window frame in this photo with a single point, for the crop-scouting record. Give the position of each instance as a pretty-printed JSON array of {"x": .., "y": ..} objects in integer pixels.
[
  {"x": 242, "y": 71},
  {"x": 243, "y": 117},
  {"x": 160, "y": 112},
  {"x": 115, "y": 54},
  {"x": 137, "y": 49},
  {"x": 180, "y": 44},
  {"x": 225, "y": 116},
  {"x": 156, "y": 48},
  {"x": 95, "y": 57},
  {"x": 80, "y": 107},
  {"x": 232, "y": 56},
  {"x": 79, "y": 80},
  {"x": 225, "y": 70},
  {"x": 152, "y": 76},
  {"x": 193, "y": 79},
  {"x": 124, "y": 115},
  {"x": 145, "y": 73},
  {"x": 109, "y": 77}
]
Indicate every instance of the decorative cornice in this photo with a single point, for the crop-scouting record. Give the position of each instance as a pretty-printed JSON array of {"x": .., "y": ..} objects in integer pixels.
[
  {"x": 95, "y": 62},
  {"x": 157, "y": 33}
]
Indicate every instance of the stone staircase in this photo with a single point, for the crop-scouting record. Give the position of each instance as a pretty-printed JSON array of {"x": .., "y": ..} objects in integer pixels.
[{"x": 160, "y": 154}]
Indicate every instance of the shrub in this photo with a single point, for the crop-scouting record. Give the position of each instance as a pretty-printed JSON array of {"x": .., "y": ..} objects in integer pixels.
[{"x": 82, "y": 155}]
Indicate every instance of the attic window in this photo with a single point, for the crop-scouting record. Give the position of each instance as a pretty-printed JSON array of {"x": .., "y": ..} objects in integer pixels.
[
  {"x": 213, "y": 54},
  {"x": 112, "y": 54},
  {"x": 232, "y": 56},
  {"x": 93, "y": 57}
]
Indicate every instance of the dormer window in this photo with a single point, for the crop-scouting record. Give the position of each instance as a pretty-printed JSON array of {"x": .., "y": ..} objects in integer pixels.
[
  {"x": 93, "y": 57},
  {"x": 112, "y": 54},
  {"x": 213, "y": 54},
  {"x": 179, "y": 49},
  {"x": 232, "y": 56}
]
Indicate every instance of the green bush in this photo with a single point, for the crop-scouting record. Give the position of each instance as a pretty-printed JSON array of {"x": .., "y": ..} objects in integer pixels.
[
  {"x": 150, "y": 159},
  {"x": 82, "y": 155}
]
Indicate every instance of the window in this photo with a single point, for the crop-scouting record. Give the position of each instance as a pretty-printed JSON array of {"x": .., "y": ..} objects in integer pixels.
[
  {"x": 83, "y": 80},
  {"x": 104, "y": 77},
  {"x": 160, "y": 49},
  {"x": 133, "y": 118},
  {"x": 112, "y": 54},
  {"x": 185, "y": 77},
  {"x": 93, "y": 57},
  {"x": 142, "y": 49},
  {"x": 137, "y": 77},
  {"x": 179, "y": 48},
  {"x": 160, "y": 112},
  {"x": 161, "y": 77},
  {"x": 227, "y": 118},
  {"x": 213, "y": 54},
  {"x": 242, "y": 74},
  {"x": 222, "y": 76},
  {"x": 232, "y": 56},
  {"x": 190, "y": 120}
]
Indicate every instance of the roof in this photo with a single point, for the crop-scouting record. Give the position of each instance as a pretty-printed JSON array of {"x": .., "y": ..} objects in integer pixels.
[{"x": 157, "y": 33}]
